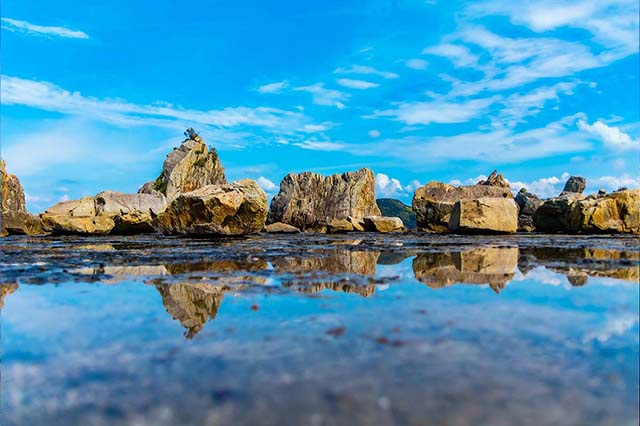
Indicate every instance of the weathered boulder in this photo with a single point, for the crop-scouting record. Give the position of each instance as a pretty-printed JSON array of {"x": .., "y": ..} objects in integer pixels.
[
  {"x": 14, "y": 218},
  {"x": 280, "y": 228},
  {"x": 310, "y": 200},
  {"x": 495, "y": 179},
  {"x": 232, "y": 209},
  {"x": 433, "y": 202},
  {"x": 484, "y": 216},
  {"x": 338, "y": 226},
  {"x": 395, "y": 208},
  {"x": 189, "y": 167},
  {"x": 357, "y": 223},
  {"x": 109, "y": 212},
  {"x": 383, "y": 224},
  {"x": 575, "y": 184},
  {"x": 618, "y": 212},
  {"x": 553, "y": 214},
  {"x": 528, "y": 203}
]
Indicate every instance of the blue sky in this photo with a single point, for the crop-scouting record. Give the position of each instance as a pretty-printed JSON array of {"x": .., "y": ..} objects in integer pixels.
[{"x": 95, "y": 95}]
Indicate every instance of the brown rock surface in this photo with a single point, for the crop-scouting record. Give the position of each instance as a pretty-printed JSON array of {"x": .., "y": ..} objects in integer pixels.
[
  {"x": 484, "y": 216},
  {"x": 14, "y": 218},
  {"x": 618, "y": 212},
  {"x": 280, "y": 228},
  {"x": 383, "y": 224},
  {"x": 495, "y": 179}
]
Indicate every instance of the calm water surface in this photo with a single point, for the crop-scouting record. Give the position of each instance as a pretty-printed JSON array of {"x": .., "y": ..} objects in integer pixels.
[{"x": 320, "y": 330}]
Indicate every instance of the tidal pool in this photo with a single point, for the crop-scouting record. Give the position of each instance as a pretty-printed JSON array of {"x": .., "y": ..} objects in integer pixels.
[{"x": 359, "y": 329}]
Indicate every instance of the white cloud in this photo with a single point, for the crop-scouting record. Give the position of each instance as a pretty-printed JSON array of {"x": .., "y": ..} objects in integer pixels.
[
  {"x": 613, "y": 327},
  {"x": 374, "y": 133},
  {"x": 364, "y": 69},
  {"x": 49, "y": 97},
  {"x": 15, "y": 25},
  {"x": 266, "y": 184},
  {"x": 356, "y": 84},
  {"x": 543, "y": 187},
  {"x": 386, "y": 186},
  {"x": 320, "y": 145},
  {"x": 322, "y": 96},
  {"x": 416, "y": 64},
  {"x": 437, "y": 111},
  {"x": 276, "y": 87},
  {"x": 459, "y": 55},
  {"x": 611, "y": 183},
  {"x": 611, "y": 136}
]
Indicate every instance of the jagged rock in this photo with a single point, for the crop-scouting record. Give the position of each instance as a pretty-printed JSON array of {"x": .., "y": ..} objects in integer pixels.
[
  {"x": 310, "y": 201},
  {"x": 553, "y": 214},
  {"x": 433, "y": 202},
  {"x": 281, "y": 228},
  {"x": 14, "y": 218},
  {"x": 575, "y": 184},
  {"x": 383, "y": 224},
  {"x": 232, "y": 209},
  {"x": 357, "y": 223},
  {"x": 484, "y": 216},
  {"x": 189, "y": 167},
  {"x": 495, "y": 266},
  {"x": 618, "y": 212},
  {"x": 528, "y": 203},
  {"x": 109, "y": 212},
  {"x": 338, "y": 226},
  {"x": 495, "y": 179}
]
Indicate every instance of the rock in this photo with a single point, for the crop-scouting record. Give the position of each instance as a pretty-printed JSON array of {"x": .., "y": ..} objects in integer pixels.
[
  {"x": 383, "y": 224},
  {"x": 309, "y": 200},
  {"x": 575, "y": 184},
  {"x": 395, "y": 208},
  {"x": 357, "y": 223},
  {"x": 189, "y": 167},
  {"x": 433, "y": 202},
  {"x": 495, "y": 179},
  {"x": 232, "y": 209},
  {"x": 617, "y": 212},
  {"x": 109, "y": 212},
  {"x": 281, "y": 228},
  {"x": 553, "y": 214},
  {"x": 528, "y": 203},
  {"x": 339, "y": 226},
  {"x": 14, "y": 218},
  {"x": 6, "y": 289},
  {"x": 484, "y": 216},
  {"x": 602, "y": 191}
]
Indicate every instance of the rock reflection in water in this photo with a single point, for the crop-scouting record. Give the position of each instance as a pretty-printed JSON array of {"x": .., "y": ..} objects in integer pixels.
[
  {"x": 119, "y": 273},
  {"x": 6, "y": 289},
  {"x": 494, "y": 266}
]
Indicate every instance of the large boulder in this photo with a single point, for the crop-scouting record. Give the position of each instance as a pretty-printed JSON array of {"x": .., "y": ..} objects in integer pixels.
[
  {"x": 309, "y": 201},
  {"x": 189, "y": 167},
  {"x": 528, "y": 203},
  {"x": 575, "y": 184},
  {"x": 383, "y": 224},
  {"x": 484, "y": 216},
  {"x": 553, "y": 214},
  {"x": 495, "y": 179},
  {"x": 14, "y": 218},
  {"x": 433, "y": 202},
  {"x": 618, "y": 212},
  {"x": 109, "y": 212},
  {"x": 232, "y": 209}
]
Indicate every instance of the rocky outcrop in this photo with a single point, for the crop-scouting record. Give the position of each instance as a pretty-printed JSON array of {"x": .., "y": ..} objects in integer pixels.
[
  {"x": 109, "y": 212},
  {"x": 189, "y": 167},
  {"x": 575, "y": 184},
  {"x": 383, "y": 224},
  {"x": 484, "y": 216},
  {"x": 14, "y": 218},
  {"x": 433, "y": 202},
  {"x": 618, "y": 212},
  {"x": 339, "y": 226},
  {"x": 495, "y": 266},
  {"x": 233, "y": 209},
  {"x": 528, "y": 203},
  {"x": 495, "y": 179},
  {"x": 309, "y": 201},
  {"x": 553, "y": 214},
  {"x": 280, "y": 228}
]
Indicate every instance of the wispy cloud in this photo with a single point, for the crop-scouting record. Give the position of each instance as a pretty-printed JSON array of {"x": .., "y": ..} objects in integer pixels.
[
  {"x": 40, "y": 30},
  {"x": 266, "y": 184},
  {"x": 276, "y": 87},
  {"x": 459, "y": 55},
  {"x": 416, "y": 64},
  {"x": 612, "y": 136},
  {"x": 320, "y": 145},
  {"x": 322, "y": 96},
  {"x": 356, "y": 84},
  {"x": 365, "y": 69}
]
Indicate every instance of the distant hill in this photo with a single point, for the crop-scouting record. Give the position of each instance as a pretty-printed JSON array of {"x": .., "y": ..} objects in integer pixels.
[{"x": 393, "y": 207}]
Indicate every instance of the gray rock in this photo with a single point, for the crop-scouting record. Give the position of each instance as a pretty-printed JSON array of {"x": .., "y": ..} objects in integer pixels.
[
  {"x": 575, "y": 184},
  {"x": 528, "y": 203}
]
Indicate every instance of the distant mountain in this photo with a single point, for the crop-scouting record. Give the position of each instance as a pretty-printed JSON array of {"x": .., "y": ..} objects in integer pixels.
[{"x": 393, "y": 207}]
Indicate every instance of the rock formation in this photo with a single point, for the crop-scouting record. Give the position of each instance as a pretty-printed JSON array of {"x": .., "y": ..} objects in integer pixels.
[
  {"x": 233, "y": 209},
  {"x": 189, "y": 167},
  {"x": 109, "y": 212},
  {"x": 553, "y": 214},
  {"x": 383, "y": 224},
  {"x": 495, "y": 179},
  {"x": 575, "y": 184},
  {"x": 484, "y": 216},
  {"x": 528, "y": 203},
  {"x": 618, "y": 212},
  {"x": 487, "y": 265},
  {"x": 280, "y": 228},
  {"x": 433, "y": 202},
  {"x": 14, "y": 218},
  {"x": 309, "y": 201}
]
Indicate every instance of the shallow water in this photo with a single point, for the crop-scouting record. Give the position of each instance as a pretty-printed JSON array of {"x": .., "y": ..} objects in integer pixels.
[{"x": 320, "y": 330}]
